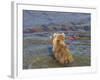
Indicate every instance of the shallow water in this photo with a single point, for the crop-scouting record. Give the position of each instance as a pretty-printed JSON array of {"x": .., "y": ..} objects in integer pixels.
[
  {"x": 77, "y": 47},
  {"x": 37, "y": 49}
]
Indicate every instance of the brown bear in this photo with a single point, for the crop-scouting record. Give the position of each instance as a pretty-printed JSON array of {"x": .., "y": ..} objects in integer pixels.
[{"x": 60, "y": 51}]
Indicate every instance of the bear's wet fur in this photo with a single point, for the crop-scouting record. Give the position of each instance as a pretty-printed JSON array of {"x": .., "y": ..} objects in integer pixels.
[{"x": 60, "y": 50}]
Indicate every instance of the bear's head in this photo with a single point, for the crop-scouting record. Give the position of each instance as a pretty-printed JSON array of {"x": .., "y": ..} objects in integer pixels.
[
  {"x": 59, "y": 36},
  {"x": 58, "y": 39}
]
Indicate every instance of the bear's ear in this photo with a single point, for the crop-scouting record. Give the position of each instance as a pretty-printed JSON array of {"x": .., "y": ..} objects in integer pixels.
[
  {"x": 54, "y": 34},
  {"x": 63, "y": 34}
]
